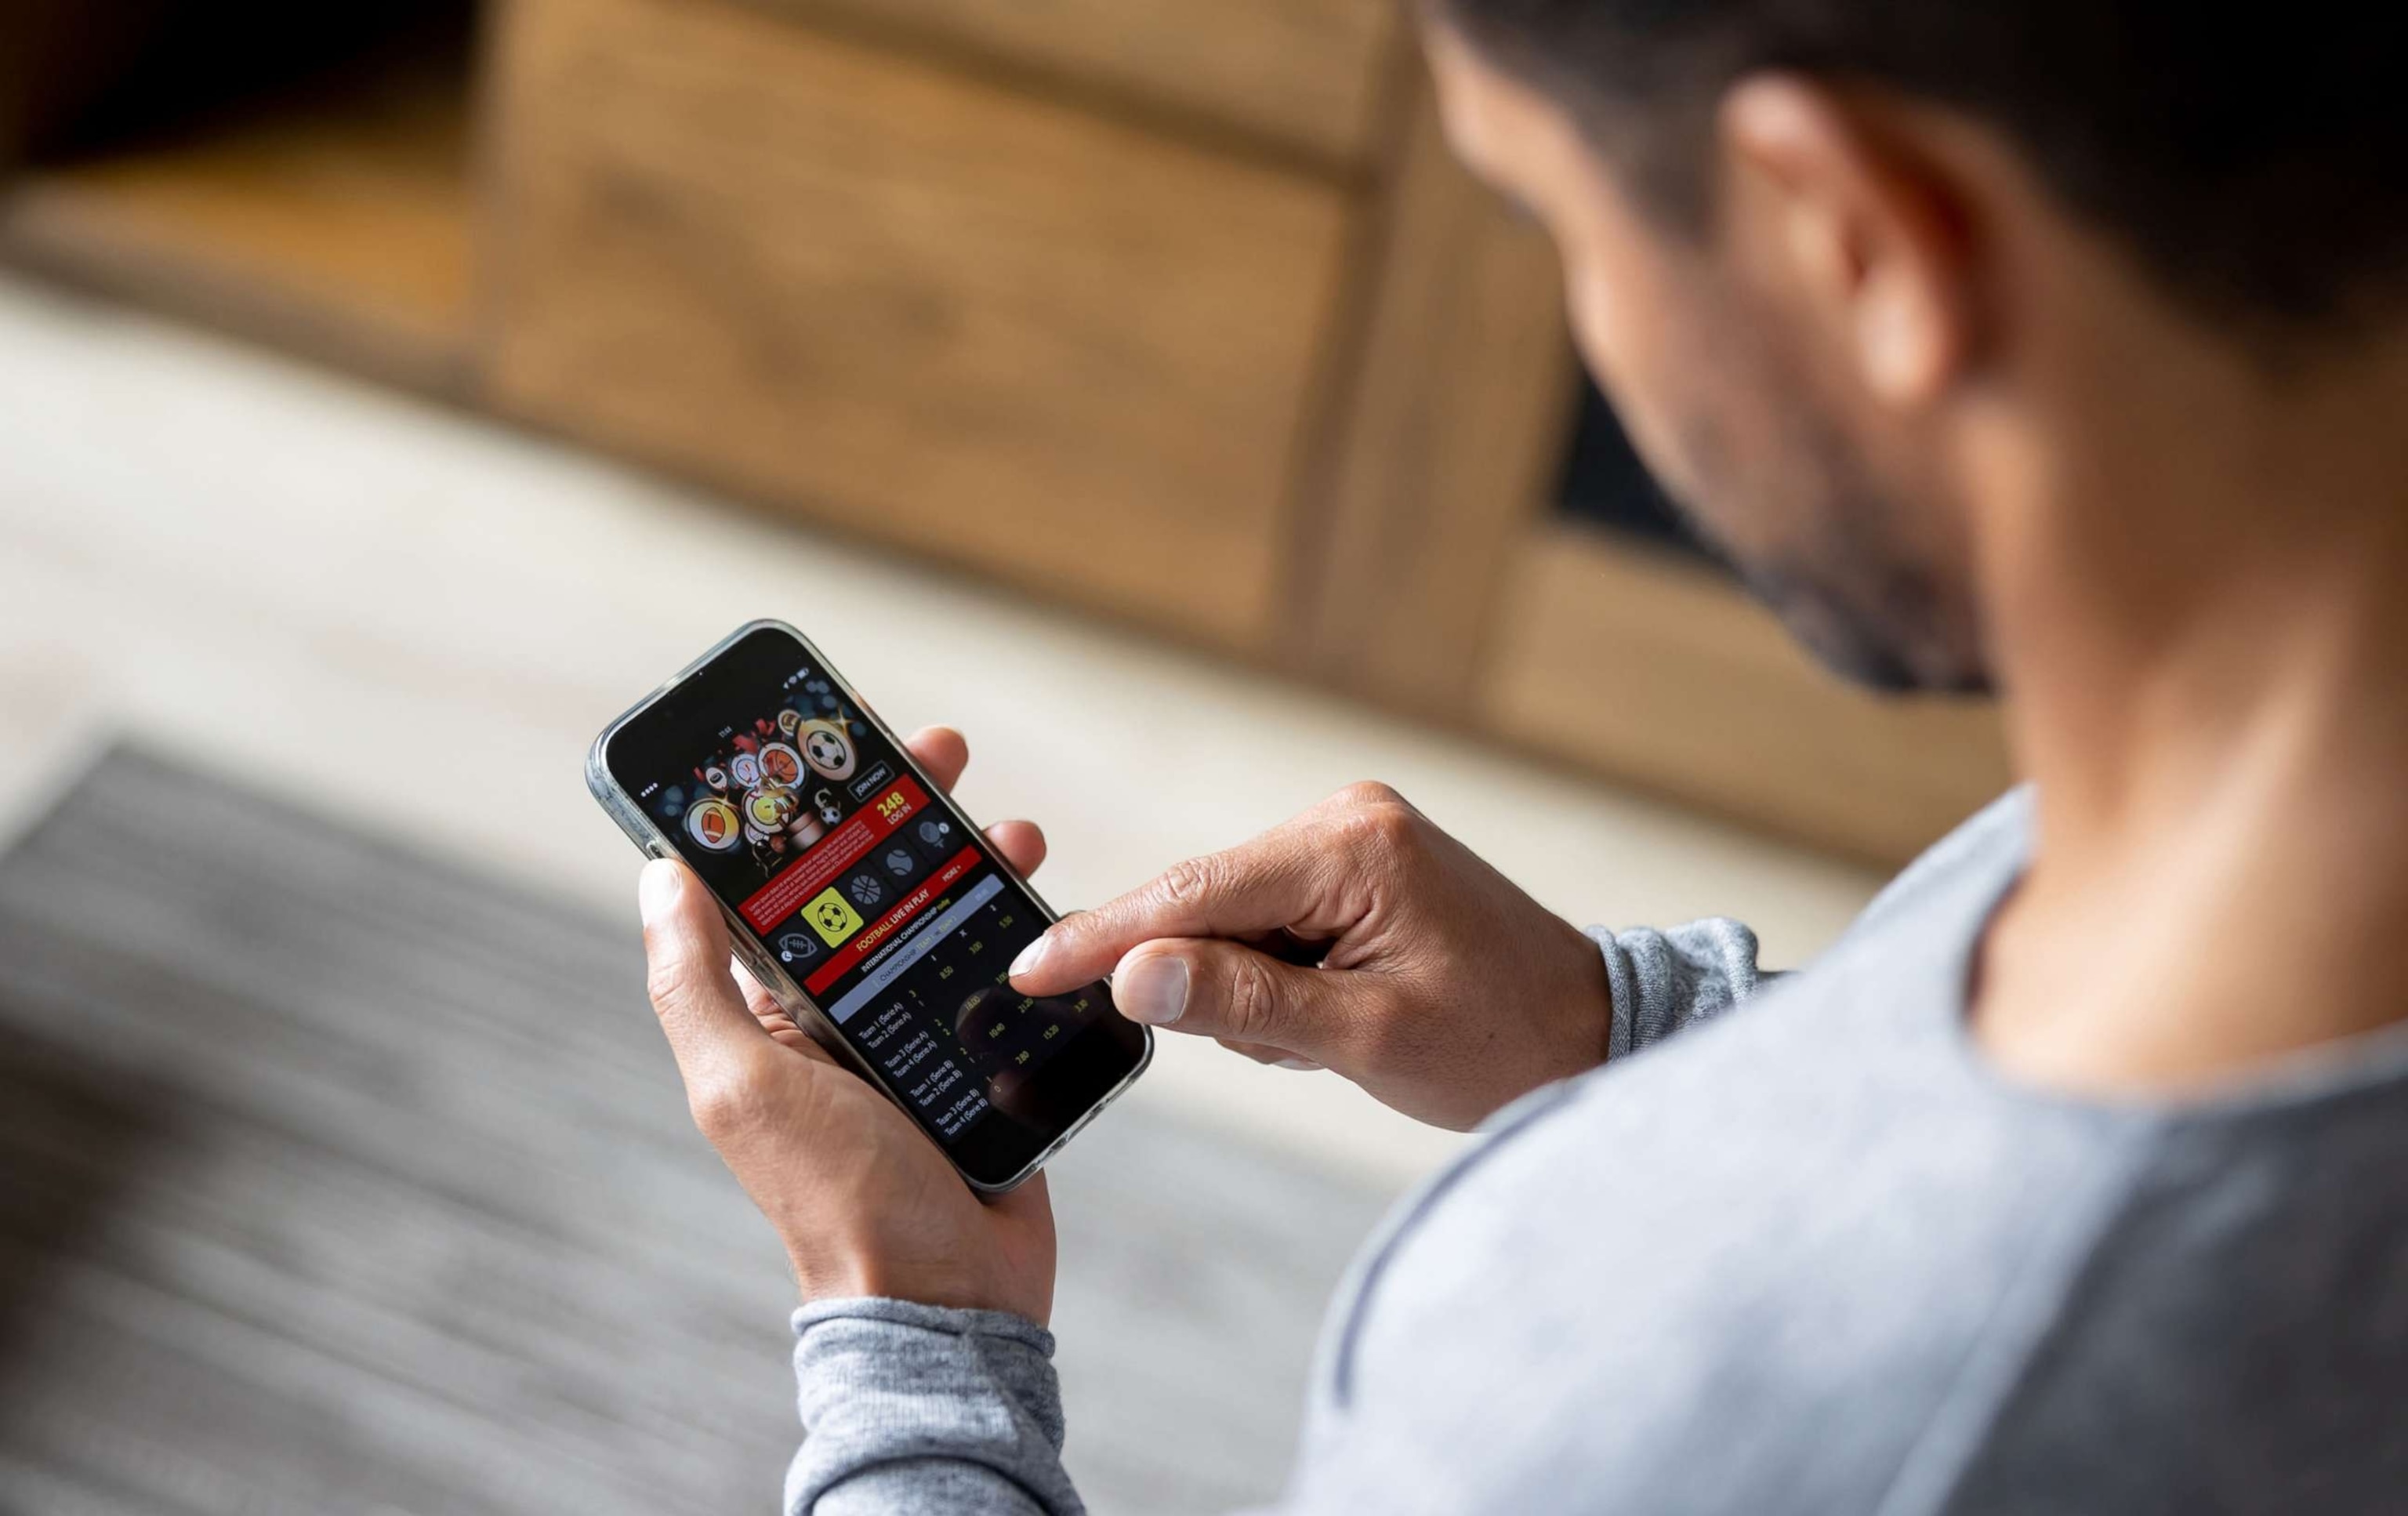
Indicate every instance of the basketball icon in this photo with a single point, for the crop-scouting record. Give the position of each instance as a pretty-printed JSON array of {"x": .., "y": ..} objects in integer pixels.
[{"x": 779, "y": 766}]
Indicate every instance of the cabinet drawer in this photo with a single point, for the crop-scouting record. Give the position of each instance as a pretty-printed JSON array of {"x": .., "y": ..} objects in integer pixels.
[
  {"x": 929, "y": 309},
  {"x": 1305, "y": 74},
  {"x": 1661, "y": 673}
]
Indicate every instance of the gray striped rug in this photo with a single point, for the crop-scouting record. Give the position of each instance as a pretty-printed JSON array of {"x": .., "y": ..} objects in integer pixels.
[{"x": 337, "y": 1180}]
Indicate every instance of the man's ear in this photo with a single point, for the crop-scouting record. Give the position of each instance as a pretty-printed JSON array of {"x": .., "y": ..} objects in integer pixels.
[{"x": 1865, "y": 235}]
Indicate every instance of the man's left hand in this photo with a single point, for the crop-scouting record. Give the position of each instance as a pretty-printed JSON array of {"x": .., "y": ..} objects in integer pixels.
[{"x": 865, "y": 1204}]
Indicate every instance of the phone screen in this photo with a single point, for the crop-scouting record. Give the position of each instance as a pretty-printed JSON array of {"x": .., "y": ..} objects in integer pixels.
[{"x": 875, "y": 896}]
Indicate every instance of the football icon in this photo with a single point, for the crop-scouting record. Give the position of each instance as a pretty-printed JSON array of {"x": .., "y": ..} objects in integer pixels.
[
  {"x": 828, "y": 748},
  {"x": 714, "y": 822}
]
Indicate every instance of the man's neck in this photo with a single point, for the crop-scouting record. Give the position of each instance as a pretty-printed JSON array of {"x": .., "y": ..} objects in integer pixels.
[{"x": 2204, "y": 634}]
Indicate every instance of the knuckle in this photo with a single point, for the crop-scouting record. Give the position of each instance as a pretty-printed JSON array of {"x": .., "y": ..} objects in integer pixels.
[
  {"x": 668, "y": 979},
  {"x": 1252, "y": 1000},
  {"x": 1080, "y": 926},
  {"x": 1368, "y": 794},
  {"x": 726, "y": 1106},
  {"x": 1387, "y": 827},
  {"x": 1188, "y": 884},
  {"x": 720, "y": 1108}
]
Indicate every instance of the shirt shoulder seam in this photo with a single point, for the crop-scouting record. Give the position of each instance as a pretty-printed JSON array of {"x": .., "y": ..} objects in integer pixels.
[
  {"x": 2028, "y": 1311},
  {"x": 1518, "y": 1117}
]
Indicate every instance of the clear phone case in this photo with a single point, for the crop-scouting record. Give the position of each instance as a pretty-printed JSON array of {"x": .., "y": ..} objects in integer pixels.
[{"x": 756, "y": 956}]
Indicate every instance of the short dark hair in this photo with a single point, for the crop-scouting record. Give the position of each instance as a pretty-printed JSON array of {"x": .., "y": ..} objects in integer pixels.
[{"x": 2254, "y": 157}]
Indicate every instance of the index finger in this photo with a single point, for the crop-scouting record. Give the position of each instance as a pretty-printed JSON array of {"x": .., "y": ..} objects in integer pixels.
[
  {"x": 943, "y": 754},
  {"x": 1279, "y": 879}
]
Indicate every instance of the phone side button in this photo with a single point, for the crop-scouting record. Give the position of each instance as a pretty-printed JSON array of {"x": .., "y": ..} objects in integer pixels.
[{"x": 754, "y": 957}]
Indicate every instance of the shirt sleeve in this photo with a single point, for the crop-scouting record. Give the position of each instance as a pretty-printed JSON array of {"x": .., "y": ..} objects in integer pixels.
[
  {"x": 1665, "y": 980},
  {"x": 920, "y": 1410},
  {"x": 924, "y": 1410}
]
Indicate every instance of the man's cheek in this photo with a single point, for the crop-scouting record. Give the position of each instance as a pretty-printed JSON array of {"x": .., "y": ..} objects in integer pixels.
[
  {"x": 1648, "y": 405},
  {"x": 1644, "y": 362}
]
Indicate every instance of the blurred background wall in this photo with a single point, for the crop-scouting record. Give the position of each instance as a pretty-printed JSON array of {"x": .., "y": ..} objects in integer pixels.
[
  {"x": 1176, "y": 313},
  {"x": 390, "y": 393}
]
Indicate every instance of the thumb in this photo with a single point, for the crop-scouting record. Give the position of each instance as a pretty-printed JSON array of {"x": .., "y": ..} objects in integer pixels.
[
  {"x": 685, "y": 949},
  {"x": 1221, "y": 989}
]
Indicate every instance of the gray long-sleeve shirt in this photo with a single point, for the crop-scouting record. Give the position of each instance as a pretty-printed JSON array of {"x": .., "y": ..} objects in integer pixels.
[{"x": 1815, "y": 1257}]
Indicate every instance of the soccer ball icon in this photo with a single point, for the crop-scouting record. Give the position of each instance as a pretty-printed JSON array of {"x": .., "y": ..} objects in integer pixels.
[{"x": 828, "y": 748}]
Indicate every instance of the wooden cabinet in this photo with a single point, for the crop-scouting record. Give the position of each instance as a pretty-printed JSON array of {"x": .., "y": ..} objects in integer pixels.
[
  {"x": 1176, "y": 311},
  {"x": 1304, "y": 77},
  {"x": 984, "y": 324},
  {"x": 1647, "y": 665}
]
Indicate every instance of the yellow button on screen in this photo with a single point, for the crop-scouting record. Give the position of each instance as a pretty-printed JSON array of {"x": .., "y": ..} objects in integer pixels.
[{"x": 832, "y": 917}]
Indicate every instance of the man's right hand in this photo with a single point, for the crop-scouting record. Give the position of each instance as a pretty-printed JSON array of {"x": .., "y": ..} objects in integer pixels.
[{"x": 1358, "y": 937}]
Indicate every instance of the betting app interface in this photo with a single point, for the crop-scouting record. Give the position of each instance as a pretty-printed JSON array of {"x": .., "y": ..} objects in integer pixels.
[{"x": 873, "y": 895}]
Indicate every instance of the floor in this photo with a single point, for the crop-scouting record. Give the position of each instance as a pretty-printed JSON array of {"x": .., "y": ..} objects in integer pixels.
[
  {"x": 306, "y": 1207},
  {"x": 414, "y": 621}
]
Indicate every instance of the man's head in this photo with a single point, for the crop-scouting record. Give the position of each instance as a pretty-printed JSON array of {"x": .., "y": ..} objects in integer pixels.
[{"x": 1815, "y": 247}]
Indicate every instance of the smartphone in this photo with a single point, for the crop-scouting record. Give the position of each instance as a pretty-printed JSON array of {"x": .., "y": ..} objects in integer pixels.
[{"x": 859, "y": 894}]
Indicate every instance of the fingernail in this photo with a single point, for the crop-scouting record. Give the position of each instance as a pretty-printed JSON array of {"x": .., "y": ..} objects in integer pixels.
[
  {"x": 656, "y": 889},
  {"x": 1152, "y": 990},
  {"x": 1031, "y": 958},
  {"x": 1305, "y": 1065}
]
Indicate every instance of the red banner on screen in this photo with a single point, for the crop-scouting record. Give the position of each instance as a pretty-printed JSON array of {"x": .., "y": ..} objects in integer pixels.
[
  {"x": 867, "y": 939},
  {"x": 832, "y": 855}
]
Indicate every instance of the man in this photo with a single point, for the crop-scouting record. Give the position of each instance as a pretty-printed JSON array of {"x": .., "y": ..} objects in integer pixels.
[{"x": 2063, "y": 344}]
